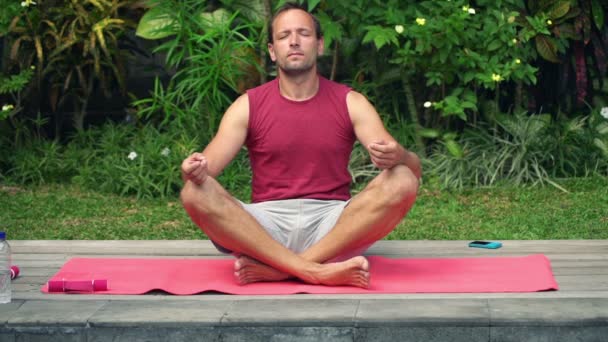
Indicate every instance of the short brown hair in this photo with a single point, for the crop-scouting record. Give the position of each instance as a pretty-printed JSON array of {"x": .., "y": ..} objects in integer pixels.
[{"x": 290, "y": 6}]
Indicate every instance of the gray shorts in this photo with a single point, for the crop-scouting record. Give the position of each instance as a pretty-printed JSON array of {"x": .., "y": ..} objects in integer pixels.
[{"x": 297, "y": 223}]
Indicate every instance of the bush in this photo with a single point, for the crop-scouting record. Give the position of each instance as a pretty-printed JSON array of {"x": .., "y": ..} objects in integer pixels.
[
  {"x": 127, "y": 160},
  {"x": 521, "y": 149}
]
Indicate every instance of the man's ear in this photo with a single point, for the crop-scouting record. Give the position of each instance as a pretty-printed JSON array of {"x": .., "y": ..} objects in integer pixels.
[
  {"x": 273, "y": 57},
  {"x": 320, "y": 46}
]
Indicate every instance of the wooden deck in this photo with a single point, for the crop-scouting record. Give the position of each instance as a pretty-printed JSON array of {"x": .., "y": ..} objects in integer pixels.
[{"x": 579, "y": 310}]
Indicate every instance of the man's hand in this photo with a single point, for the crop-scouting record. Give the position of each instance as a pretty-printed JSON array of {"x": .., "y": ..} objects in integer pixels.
[
  {"x": 194, "y": 168},
  {"x": 384, "y": 154}
]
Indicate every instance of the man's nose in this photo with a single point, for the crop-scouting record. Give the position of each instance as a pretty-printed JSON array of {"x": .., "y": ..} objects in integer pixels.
[{"x": 294, "y": 40}]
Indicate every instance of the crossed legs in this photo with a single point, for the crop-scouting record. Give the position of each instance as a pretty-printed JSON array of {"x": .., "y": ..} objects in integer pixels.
[{"x": 370, "y": 216}]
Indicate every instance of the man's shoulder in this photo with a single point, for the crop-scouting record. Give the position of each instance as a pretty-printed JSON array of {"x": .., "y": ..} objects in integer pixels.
[
  {"x": 264, "y": 87},
  {"x": 334, "y": 87}
]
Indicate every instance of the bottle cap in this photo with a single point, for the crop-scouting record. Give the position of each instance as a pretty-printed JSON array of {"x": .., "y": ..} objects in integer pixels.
[
  {"x": 2, "y": 235},
  {"x": 14, "y": 271}
]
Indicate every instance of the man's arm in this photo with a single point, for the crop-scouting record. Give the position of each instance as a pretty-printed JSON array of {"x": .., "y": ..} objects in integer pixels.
[
  {"x": 223, "y": 147},
  {"x": 384, "y": 150}
]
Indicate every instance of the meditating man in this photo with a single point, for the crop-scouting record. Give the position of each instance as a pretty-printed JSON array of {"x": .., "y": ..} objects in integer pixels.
[{"x": 299, "y": 130}]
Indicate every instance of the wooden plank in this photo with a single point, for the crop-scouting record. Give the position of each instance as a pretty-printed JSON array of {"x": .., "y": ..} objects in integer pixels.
[
  {"x": 579, "y": 265},
  {"x": 386, "y": 247}
]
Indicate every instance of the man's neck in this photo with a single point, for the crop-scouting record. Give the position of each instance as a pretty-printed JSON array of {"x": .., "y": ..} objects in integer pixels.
[{"x": 300, "y": 87}]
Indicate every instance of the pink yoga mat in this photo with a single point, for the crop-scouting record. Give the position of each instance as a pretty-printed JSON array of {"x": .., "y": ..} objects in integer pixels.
[{"x": 190, "y": 276}]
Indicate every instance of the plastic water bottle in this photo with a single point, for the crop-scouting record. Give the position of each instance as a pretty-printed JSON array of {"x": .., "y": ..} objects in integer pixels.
[{"x": 5, "y": 270}]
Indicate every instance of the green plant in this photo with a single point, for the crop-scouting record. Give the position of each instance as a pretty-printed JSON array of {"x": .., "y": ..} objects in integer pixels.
[
  {"x": 516, "y": 151},
  {"x": 75, "y": 46},
  {"x": 12, "y": 86},
  {"x": 211, "y": 53},
  {"x": 236, "y": 177},
  {"x": 457, "y": 51},
  {"x": 572, "y": 35},
  {"x": 38, "y": 162},
  {"x": 10, "y": 9},
  {"x": 127, "y": 160}
]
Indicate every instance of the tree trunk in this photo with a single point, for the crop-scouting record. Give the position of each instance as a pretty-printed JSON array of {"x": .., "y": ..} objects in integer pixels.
[
  {"x": 263, "y": 48},
  {"x": 334, "y": 64},
  {"x": 411, "y": 106}
]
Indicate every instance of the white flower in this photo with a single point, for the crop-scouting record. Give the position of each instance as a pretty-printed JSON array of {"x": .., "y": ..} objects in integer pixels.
[
  {"x": 496, "y": 78},
  {"x": 420, "y": 21},
  {"x": 518, "y": 61},
  {"x": 399, "y": 29},
  {"x": 604, "y": 113},
  {"x": 7, "y": 107},
  {"x": 428, "y": 104},
  {"x": 471, "y": 11},
  {"x": 27, "y": 3},
  {"x": 165, "y": 152},
  {"x": 132, "y": 155}
]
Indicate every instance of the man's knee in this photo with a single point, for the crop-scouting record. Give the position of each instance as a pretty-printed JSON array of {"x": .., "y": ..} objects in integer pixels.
[
  {"x": 195, "y": 198},
  {"x": 190, "y": 192},
  {"x": 400, "y": 185},
  {"x": 206, "y": 199}
]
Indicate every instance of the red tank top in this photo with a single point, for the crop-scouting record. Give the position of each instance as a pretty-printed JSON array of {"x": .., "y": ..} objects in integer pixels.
[{"x": 299, "y": 149}]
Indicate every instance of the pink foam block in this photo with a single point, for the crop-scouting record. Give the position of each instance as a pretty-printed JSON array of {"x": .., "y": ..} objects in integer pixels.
[
  {"x": 14, "y": 272},
  {"x": 92, "y": 285}
]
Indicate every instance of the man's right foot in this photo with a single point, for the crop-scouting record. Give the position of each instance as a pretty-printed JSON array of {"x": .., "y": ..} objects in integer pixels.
[{"x": 353, "y": 272}]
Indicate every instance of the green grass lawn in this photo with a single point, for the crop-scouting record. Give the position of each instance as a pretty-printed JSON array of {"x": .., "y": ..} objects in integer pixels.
[{"x": 502, "y": 213}]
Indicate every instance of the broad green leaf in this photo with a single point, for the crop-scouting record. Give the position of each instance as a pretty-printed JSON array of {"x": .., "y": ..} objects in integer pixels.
[
  {"x": 598, "y": 13},
  {"x": 454, "y": 149},
  {"x": 429, "y": 133},
  {"x": 218, "y": 17},
  {"x": 155, "y": 24},
  {"x": 450, "y": 136},
  {"x": 332, "y": 31},
  {"x": 566, "y": 30},
  {"x": 380, "y": 36},
  {"x": 312, "y": 4},
  {"x": 546, "y": 48},
  {"x": 559, "y": 10},
  {"x": 456, "y": 92},
  {"x": 495, "y": 45},
  {"x": 469, "y": 105},
  {"x": 602, "y": 128},
  {"x": 252, "y": 9},
  {"x": 468, "y": 76},
  {"x": 601, "y": 145}
]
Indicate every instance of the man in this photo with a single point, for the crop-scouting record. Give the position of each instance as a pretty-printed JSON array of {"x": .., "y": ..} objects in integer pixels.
[{"x": 299, "y": 130}]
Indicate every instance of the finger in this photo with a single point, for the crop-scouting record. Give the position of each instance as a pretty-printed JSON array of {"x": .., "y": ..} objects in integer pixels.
[
  {"x": 197, "y": 157},
  {"x": 385, "y": 147},
  {"x": 200, "y": 169},
  {"x": 188, "y": 167},
  {"x": 378, "y": 163},
  {"x": 383, "y": 163},
  {"x": 381, "y": 155},
  {"x": 379, "y": 147}
]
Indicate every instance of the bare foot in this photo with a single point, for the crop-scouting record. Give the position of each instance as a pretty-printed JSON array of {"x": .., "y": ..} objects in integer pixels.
[
  {"x": 353, "y": 272},
  {"x": 249, "y": 270}
]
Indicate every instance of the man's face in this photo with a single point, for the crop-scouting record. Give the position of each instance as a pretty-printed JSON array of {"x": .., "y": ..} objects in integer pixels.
[{"x": 295, "y": 47}]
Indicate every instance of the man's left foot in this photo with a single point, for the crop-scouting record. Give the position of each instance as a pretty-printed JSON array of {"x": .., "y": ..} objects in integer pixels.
[{"x": 247, "y": 270}]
